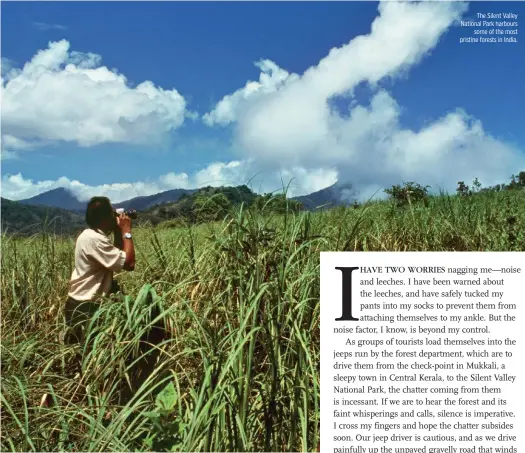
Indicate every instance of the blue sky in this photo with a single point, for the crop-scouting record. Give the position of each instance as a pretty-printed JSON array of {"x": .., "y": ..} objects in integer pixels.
[{"x": 405, "y": 123}]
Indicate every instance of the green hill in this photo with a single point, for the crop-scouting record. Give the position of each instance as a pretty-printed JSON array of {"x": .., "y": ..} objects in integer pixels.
[
  {"x": 212, "y": 203},
  {"x": 206, "y": 204},
  {"x": 23, "y": 219}
]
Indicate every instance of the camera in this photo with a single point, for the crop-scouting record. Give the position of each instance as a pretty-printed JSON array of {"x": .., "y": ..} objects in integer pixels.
[{"x": 131, "y": 213}]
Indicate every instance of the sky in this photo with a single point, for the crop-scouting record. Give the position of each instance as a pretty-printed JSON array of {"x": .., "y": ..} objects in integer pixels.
[{"x": 133, "y": 98}]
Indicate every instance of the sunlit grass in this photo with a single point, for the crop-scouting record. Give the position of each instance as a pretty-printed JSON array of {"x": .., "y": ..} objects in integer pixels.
[{"x": 240, "y": 300}]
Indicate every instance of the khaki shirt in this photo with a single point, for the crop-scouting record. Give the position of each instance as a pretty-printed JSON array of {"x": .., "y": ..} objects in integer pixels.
[{"x": 96, "y": 258}]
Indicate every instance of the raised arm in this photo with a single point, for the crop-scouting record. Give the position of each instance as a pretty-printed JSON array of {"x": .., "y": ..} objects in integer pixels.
[{"x": 123, "y": 243}]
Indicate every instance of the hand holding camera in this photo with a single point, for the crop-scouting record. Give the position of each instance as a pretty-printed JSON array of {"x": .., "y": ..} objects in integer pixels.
[
  {"x": 124, "y": 219},
  {"x": 131, "y": 213},
  {"x": 124, "y": 223}
]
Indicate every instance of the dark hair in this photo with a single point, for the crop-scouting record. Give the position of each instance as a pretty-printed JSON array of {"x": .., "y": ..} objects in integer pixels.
[{"x": 98, "y": 210}]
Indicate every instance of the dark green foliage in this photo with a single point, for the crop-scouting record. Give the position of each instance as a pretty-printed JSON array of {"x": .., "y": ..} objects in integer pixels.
[
  {"x": 410, "y": 192},
  {"x": 210, "y": 208},
  {"x": 214, "y": 203},
  {"x": 27, "y": 220},
  {"x": 517, "y": 181},
  {"x": 462, "y": 189},
  {"x": 276, "y": 203},
  {"x": 168, "y": 430}
]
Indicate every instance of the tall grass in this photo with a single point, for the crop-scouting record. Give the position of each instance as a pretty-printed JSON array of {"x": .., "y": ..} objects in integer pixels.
[{"x": 239, "y": 370}]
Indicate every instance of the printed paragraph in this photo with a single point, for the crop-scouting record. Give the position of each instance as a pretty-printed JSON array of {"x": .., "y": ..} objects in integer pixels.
[{"x": 421, "y": 356}]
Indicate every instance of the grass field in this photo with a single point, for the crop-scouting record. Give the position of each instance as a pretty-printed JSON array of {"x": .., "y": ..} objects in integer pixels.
[{"x": 240, "y": 370}]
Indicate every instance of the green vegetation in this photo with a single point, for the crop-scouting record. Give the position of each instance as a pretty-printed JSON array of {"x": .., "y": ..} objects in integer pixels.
[
  {"x": 210, "y": 204},
  {"x": 410, "y": 192},
  {"x": 28, "y": 220},
  {"x": 204, "y": 205},
  {"x": 240, "y": 298},
  {"x": 516, "y": 182}
]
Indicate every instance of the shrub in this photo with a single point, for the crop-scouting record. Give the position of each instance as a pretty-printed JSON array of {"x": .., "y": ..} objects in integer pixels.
[
  {"x": 462, "y": 189},
  {"x": 410, "y": 192}
]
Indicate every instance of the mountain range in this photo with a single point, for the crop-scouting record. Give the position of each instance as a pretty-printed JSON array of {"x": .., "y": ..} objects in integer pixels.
[
  {"x": 65, "y": 199},
  {"x": 60, "y": 211},
  {"x": 337, "y": 194},
  {"x": 27, "y": 220}
]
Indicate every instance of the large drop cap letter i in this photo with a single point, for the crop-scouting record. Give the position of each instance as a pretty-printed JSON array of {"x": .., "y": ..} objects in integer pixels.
[{"x": 347, "y": 294}]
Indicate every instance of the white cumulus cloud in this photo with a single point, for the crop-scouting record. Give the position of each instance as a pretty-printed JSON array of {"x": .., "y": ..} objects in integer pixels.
[
  {"x": 271, "y": 78},
  {"x": 64, "y": 95},
  {"x": 294, "y": 121},
  {"x": 289, "y": 121},
  {"x": 378, "y": 151}
]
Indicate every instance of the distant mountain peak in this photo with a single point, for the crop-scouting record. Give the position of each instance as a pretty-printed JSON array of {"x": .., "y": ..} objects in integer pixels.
[
  {"x": 334, "y": 195},
  {"x": 340, "y": 193},
  {"x": 56, "y": 198}
]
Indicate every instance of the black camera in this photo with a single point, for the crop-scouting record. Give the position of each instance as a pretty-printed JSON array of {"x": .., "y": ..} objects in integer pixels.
[{"x": 131, "y": 213}]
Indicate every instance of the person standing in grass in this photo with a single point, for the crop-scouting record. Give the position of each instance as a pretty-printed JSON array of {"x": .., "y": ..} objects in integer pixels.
[{"x": 96, "y": 259}]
